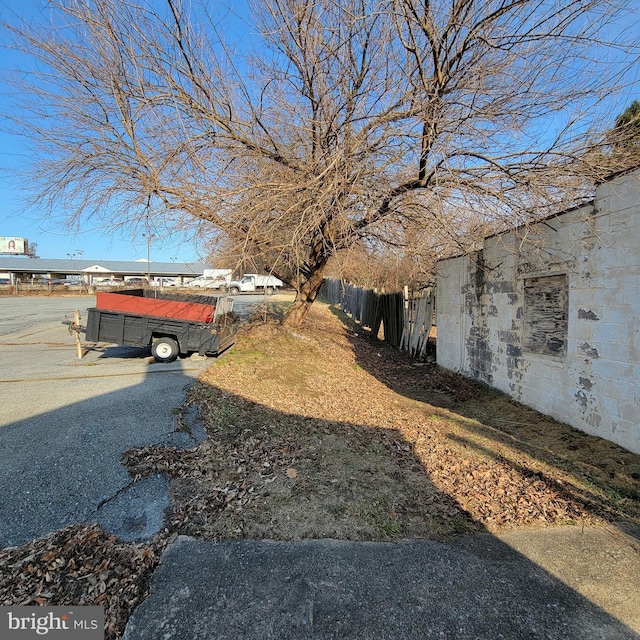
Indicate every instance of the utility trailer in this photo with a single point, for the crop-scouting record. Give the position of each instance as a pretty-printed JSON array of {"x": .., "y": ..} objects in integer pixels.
[{"x": 173, "y": 324}]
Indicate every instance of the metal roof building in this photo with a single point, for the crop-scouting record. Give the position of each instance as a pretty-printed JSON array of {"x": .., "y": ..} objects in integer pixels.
[{"x": 22, "y": 267}]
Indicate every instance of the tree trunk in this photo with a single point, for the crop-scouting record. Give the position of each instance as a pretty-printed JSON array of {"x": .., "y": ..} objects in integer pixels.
[{"x": 305, "y": 297}]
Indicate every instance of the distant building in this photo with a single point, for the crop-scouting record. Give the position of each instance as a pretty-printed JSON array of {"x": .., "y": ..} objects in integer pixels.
[{"x": 26, "y": 269}]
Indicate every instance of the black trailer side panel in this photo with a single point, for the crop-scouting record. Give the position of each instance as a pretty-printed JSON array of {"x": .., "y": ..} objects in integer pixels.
[{"x": 139, "y": 331}]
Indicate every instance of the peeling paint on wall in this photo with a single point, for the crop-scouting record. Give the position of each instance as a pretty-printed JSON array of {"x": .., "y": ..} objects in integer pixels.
[
  {"x": 581, "y": 396},
  {"x": 514, "y": 351},
  {"x": 588, "y": 350},
  {"x": 595, "y": 420},
  {"x": 509, "y": 336},
  {"x": 558, "y": 328},
  {"x": 480, "y": 354},
  {"x": 501, "y": 286},
  {"x": 585, "y": 383}
]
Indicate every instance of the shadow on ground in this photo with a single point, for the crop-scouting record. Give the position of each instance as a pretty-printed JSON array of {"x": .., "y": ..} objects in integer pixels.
[
  {"x": 265, "y": 475},
  {"x": 600, "y": 476}
]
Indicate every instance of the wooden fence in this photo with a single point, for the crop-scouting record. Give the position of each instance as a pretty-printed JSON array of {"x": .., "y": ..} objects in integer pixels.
[{"x": 406, "y": 320}]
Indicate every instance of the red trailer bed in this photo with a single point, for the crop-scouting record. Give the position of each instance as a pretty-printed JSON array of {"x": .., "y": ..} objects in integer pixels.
[{"x": 158, "y": 307}]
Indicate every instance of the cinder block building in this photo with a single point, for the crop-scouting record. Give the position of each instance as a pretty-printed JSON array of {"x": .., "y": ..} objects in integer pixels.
[{"x": 550, "y": 314}]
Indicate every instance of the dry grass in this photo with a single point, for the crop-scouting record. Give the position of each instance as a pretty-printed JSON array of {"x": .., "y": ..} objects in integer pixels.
[{"x": 326, "y": 433}]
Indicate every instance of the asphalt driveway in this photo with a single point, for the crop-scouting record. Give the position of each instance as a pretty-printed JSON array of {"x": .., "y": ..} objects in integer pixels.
[{"x": 64, "y": 423}]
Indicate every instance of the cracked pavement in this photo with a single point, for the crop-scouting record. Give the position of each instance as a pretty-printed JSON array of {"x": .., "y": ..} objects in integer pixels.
[{"x": 64, "y": 423}]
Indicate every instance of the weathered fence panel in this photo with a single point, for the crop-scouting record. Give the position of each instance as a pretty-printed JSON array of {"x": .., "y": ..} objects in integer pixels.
[
  {"x": 418, "y": 322},
  {"x": 406, "y": 320}
]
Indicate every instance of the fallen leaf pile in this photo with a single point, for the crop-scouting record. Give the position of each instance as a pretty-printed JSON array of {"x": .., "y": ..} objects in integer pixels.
[
  {"x": 499, "y": 496},
  {"x": 315, "y": 434},
  {"x": 79, "y": 565}
]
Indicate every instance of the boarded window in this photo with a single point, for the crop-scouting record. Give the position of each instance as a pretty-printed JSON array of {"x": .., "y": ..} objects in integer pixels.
[{"x": 545, "y": 315}]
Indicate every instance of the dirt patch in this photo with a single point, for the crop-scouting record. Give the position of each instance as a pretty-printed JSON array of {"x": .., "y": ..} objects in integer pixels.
[{"x": 325, "y": 432}]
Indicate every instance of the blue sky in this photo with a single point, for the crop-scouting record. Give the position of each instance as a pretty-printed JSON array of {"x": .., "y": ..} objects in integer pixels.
[{"x": 54, "y": 239}]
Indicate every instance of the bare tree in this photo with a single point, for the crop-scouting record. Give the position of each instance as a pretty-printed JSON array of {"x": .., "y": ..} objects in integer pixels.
[{"x": 352, "y": 120}]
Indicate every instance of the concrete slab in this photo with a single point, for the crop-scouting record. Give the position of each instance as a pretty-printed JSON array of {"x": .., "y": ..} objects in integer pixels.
[{"x": 475, "y": 587}]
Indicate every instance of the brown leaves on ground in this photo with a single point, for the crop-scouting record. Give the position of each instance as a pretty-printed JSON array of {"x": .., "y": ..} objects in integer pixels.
[
  {"x": 79, "y": 565},
  {"x": 325, "y": 432}
]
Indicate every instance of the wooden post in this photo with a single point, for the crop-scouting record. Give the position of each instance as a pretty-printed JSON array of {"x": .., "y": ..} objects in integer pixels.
[{"x": 76, "y": 322}]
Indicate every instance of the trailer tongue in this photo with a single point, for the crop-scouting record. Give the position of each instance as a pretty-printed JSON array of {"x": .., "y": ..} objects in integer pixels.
[{"x": 173, "y": 324}]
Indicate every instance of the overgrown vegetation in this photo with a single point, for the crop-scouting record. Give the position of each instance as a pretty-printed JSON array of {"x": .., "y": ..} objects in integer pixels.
[{"x": 328, "y": 433}]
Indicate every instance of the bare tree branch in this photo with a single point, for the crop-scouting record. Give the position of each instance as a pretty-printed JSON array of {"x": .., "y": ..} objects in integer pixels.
[{"x": 353, "y": 125}]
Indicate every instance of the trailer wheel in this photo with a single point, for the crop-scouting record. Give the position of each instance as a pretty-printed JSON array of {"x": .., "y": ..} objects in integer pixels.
[
  {"x": 234, "y": 290},
  {"x": 268, "y": 291},
  {"x": 164, "y": 349}
]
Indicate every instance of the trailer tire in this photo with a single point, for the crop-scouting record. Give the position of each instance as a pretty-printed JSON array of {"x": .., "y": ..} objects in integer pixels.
[
  {"x": 164, "y": 349},
  {"x": 234, "y": 290}
]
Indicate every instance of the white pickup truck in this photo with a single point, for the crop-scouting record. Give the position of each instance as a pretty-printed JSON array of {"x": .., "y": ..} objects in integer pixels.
[
  {"x": 203, "y": 282},
  {"x": 251, "y": 282}
]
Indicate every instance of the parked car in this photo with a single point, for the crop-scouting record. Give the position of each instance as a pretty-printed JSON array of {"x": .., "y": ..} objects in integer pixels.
[
  {"x": 163, "y": 282},
  {"x": 107, "y": 282},
  {"x": 252, "y": 282},
  {"x": 136, "y": 281},
  {"x": 5, "y": 280},
  {"x": 210, "y": 282}
]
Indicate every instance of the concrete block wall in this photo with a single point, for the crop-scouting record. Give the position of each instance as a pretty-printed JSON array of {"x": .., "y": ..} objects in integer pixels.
[{"x": 593, "y": 384}]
